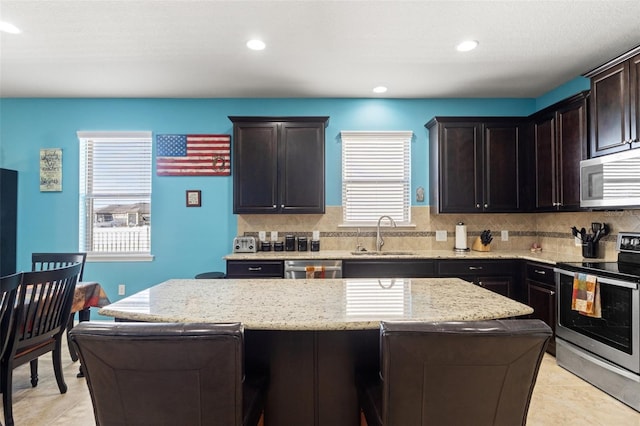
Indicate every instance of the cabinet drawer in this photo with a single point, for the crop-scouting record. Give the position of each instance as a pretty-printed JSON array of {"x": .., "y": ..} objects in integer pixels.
[
  {"x": 255, "y": 269},
  {"x": 541, "y": 273},
  {"x": 388, "y": 268},
  {"x": 477, "y": 267}
]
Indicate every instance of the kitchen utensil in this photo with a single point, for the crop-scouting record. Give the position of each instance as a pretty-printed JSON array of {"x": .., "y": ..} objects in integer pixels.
[
  {"x": 574, "y": 232},
  {"x": 596, "y": 226},
  {"x": 583, "y": 234},
  {"x": 485, "y": 237}
]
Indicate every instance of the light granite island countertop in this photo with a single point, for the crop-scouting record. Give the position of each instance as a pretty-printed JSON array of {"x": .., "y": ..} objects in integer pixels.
[
  {"x": 340, "y": 304},
  {"x": 312, "y": 336}
]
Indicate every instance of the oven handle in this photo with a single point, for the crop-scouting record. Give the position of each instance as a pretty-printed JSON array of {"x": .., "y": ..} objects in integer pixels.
[{"x": 603, "y": 280}]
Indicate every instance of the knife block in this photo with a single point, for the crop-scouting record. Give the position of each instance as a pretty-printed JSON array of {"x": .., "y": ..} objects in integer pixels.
[{"x": 478, "y": 246}]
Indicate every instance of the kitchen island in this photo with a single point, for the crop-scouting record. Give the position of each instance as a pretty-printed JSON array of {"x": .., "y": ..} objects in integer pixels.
[{"x": 313, "y": 335}]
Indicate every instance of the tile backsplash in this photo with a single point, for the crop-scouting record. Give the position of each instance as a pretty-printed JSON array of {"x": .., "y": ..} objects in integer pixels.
[{"x": 551, "y": 230}]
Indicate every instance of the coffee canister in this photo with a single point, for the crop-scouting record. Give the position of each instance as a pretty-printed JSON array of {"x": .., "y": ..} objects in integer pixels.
[
  {"x": 302, "y": 244},
  {"x": 289, "y": 243}
]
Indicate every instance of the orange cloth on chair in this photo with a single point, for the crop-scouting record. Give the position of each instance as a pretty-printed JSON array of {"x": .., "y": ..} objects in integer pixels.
[{"x": 586, "y": 295}]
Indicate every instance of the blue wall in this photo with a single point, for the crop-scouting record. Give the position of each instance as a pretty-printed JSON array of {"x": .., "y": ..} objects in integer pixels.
[{"x": 186, "y": 241}]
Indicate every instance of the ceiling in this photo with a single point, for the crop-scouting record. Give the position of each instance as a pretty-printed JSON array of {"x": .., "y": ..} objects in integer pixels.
[{"x": 196, "y": 49}]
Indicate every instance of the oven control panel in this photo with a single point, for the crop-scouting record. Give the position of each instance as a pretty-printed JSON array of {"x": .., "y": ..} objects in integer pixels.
[{"x": 629, "y": 242}]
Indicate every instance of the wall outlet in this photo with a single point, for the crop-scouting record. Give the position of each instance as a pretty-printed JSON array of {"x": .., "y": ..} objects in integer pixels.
[
  {"x": 441, "y": 235},
  {"x": 262, "y": 235},
  {"x": 504, "y": 235},
  {"x": 121, "y": 289},
  {"x": 274, "y": 235}
]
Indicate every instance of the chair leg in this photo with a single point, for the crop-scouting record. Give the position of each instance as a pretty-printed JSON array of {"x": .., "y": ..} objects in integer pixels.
[
  {"x": 72, "y": 351},
  {"x": 57, "y": 365},
  {"x": 6, "y": 381},
  {"x": 33, "y": 364}
]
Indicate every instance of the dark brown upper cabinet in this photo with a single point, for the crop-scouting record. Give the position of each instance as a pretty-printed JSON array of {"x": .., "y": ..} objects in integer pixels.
[
  {"x": 559, "y": 141},
  {"x": 615, "y": 105},
  {"x": 476, "y": 164},
  {"x": 278, "y": 164}
]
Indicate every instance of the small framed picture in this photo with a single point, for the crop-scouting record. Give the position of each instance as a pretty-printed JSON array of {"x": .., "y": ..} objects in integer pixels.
[{"x": 194, "y": 198}]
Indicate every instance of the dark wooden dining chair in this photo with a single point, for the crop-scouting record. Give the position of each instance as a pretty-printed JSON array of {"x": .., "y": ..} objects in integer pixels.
[
  {"x": 454, "y": 373},
  {"x": 168, "y": 374},
  {"x": 8, "y": 290},
  {"x": 42, "y": 307},
  {"x": 46, "y": 261}
]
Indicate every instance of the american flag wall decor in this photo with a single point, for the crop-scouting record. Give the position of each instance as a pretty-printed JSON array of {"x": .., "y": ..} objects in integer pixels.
[{"x": 193, "y": 155}]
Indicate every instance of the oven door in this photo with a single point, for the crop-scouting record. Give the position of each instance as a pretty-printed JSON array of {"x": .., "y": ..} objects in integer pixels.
[{"x": 613, "y": 337}]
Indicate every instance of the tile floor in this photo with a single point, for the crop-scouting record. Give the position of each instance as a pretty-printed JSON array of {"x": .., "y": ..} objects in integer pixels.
[{"x": 559, "y": 398}]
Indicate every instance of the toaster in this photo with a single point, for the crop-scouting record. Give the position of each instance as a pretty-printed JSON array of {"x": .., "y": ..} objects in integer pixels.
[{"x": 245, "y": 245}]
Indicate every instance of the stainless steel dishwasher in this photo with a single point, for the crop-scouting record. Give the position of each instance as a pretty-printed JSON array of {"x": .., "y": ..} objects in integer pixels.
[{"x": 308, "y": 269}]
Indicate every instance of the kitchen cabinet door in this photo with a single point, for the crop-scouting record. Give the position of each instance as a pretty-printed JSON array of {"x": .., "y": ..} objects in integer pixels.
[
  {"x": 614, "y": 105},
  {"x": 559, "y": 139},
  {"x": 475, "y": 164},
  {"x": 278, "y": 164},
  {"x": 541, "y": 296},
  {"x": 502, "y": 147}
]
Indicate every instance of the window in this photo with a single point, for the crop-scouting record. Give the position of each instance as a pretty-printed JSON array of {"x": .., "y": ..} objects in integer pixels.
[
  {"x": 115, "y": 195},
  {"x": 376, "y": 177}
]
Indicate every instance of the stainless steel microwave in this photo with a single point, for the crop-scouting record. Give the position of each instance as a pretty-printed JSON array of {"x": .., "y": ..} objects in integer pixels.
[{"x": 611, "y": 181}]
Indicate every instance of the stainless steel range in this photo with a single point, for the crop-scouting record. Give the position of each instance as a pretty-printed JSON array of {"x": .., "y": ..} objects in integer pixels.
[{"x": 604, "y": 351}]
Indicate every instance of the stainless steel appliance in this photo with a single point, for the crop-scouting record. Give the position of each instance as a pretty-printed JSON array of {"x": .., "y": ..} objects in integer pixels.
[
  {"x": 604, "y": 351},
  {"x": 304, "y": 269},
  {"x": 245, "y": 245},
  {"x": 611, "y": 180}
]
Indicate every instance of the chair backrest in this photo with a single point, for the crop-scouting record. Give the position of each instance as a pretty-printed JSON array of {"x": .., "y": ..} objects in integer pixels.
[
  {"x": 162, "y": 373},
  {"x": 460, "y": 373},
  {"x": 43, "y": 306},
  {"x": 8, "y": 290},
  {"x": 46, "y": 261}
]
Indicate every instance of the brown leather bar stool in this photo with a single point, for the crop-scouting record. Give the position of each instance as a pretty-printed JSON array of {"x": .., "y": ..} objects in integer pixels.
[{"x": 479, "y": 373}]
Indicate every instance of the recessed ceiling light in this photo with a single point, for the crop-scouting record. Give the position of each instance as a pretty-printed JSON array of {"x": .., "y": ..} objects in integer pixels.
[
  {"x": 379, "y": 89},
  {"x": 256, "y": 44},
  {"x": 467, "y": 45},
  {"x": 7, "y": 27}
]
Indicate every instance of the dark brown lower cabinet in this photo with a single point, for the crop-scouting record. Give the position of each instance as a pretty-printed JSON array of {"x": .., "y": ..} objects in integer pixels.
[
  {"x": 255, "y": 269},
  {"x": 494, "y": 275},
  {"x": 541, "y": 296}
]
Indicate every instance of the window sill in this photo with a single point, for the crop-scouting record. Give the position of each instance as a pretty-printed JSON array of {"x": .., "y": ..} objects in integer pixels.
[{"x": 119, "y": 257}]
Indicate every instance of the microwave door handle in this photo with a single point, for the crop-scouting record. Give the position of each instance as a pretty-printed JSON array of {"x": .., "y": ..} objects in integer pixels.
[{"x": 603, "y": 280}]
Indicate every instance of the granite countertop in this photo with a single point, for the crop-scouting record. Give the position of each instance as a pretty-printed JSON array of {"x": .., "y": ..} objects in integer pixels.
[
  {"x": 335, "y": 304},
  {"x": 544, "y": 257}
]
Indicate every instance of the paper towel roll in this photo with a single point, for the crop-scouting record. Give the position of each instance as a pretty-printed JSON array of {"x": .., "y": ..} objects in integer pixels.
[{"x": 461, "y": 236}]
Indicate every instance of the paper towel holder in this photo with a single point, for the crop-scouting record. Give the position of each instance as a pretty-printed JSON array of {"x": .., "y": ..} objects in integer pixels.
[{"x": 460, "y": 245}]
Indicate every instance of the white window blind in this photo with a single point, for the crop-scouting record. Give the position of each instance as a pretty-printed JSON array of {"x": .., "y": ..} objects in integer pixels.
[
  {"x": 376, "y": 176},
  {"x": 115, "y": 194}
]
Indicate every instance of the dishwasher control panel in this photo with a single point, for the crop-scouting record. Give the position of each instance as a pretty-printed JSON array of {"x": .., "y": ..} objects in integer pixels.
[{"x": 310, "y": 269}]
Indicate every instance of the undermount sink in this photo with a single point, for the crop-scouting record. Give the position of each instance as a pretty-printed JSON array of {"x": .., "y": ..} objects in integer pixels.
[{"x": 382, "y": 253}]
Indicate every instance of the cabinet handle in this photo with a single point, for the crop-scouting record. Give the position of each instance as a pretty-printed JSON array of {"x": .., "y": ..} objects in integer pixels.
[
  {"x": 475, "y": 268},
  {"x": 552, "y": 293},
  {"x": 275, "y": 207},
  {"x": 540, "y": 272},
  {"x": 486, "y": 205},
  {"x": 255, "y": 268},
  {"x": 480, "y": 284},
  {"x": 478, "y": 206},
  {"x": 282, "y": 206}
]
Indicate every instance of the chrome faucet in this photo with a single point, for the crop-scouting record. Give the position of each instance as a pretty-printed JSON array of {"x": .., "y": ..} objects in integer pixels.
[{"x": 379, "y": 240}]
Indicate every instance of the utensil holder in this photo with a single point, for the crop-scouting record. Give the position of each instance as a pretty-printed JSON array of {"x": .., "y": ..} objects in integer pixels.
[{"x": 589, "y": 249}]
